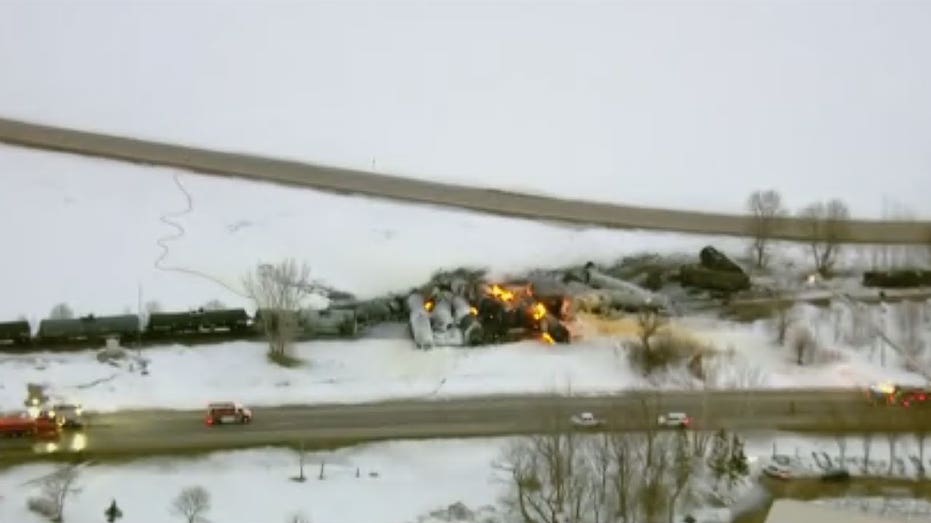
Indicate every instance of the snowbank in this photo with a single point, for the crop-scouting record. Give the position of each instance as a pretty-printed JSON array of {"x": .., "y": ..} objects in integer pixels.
[
  {"x": 368, "y": 370},
  {"x": 397, "y": 483}
]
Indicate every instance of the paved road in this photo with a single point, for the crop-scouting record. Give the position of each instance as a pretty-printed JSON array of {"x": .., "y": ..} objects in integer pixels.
[
  {"x": 161, "y": 432},
  {"x": 320, "y": 177}
]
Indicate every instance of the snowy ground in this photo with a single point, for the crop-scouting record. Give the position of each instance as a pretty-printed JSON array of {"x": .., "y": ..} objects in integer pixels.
[
  {"x": 808, "y": 456},
  {"x": 634, "y": 102},
  {"x": 903, "y": 509},
  {"x": 398, "y": 483},
  {"x": 87, "y": 231},
  {"x": 90, "y": 229},
  {"x": 744, "y": 355}
]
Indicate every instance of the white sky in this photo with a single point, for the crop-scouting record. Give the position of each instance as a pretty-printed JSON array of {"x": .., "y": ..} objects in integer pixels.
[{"x": 672, "y": 104}]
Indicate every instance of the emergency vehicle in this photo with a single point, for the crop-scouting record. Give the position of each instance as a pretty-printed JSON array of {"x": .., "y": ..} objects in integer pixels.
[{"x": 221, "y": 413}]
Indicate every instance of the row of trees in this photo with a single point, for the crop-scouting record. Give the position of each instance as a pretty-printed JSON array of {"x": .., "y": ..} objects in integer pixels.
[
  {"x": 827, "y": 222},
  {"x": 646, "y": 477}
]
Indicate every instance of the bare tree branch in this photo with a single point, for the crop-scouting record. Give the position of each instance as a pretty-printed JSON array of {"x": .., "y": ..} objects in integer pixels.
[
  {"x": 765, "y": 207},
  {"x": 55, "y": 490},
  {"x": 61, "y": 311},
  {"x": 278, "y": 292},
  {"x": 191, "y": 504},
  {"x": 827, "y": 222}
]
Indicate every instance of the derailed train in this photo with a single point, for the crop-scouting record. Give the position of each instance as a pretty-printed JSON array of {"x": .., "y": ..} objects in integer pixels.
[
  {"x": 446, "y": 312},
  {"x": 445, "y": 316},
  {"x": 161, "y": 327}
]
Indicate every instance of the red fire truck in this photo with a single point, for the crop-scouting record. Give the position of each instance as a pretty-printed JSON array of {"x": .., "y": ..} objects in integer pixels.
[
  {"x": 904, "y": 395},
  {"x": 23, "y": 425}
]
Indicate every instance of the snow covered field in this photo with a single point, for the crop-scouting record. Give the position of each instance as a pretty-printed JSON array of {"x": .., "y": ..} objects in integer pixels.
[
  {"x": 634, "y": 102},
  {"x": 374, "y": 369},
  {"x": 398, "y": 482},
  {"x": 87, "y": 231}
]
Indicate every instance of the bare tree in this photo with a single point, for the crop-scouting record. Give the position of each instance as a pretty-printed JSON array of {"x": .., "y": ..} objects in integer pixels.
[
  {"x": 546, "y": 485},
  {"x": 152, "y": 306},
  {"x": 826, "y": 223},
  {"x": 301, "y": 457},
  {"x": 700, "y": 440},
  {"x": 682, "y": 471},
  {"x": 214, "y": 305},
  {"x": 928, "y": 241},
  {"x": 649, "y": 322},
  {"x": 55, "y": 490},
  {"x": 782, "y": 318},
  {"x": 921, "y": 435},
  {"x": 867, "y": 447},
  {"x": 61, "y": 312},
  {"x": 278, "y": 292},
  {"x": 765, "y": 208},
  {"x": 841, "y": 440},
  {"x": 893, "y": 439},
  {"x": 803, "y": 344},
  {"x": 910, "y": 322},
  {"x": 896, "y": 256},
  {"x": 191, "y": 504}
]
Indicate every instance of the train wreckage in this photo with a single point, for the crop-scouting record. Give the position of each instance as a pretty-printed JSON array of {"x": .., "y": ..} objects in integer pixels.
[
  {"x": 454, "y": 311},
  {"x": 456, "y": 308}
]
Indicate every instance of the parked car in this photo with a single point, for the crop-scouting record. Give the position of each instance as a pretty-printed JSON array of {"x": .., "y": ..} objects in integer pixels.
[
  {"x": 227, "y": 412},
  {"x": 586, "y": 420},
  {"x": 674, "y": 419}
]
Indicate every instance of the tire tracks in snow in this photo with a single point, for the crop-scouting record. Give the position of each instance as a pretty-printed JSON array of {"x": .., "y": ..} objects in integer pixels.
[{"x": 168, "y": 219}]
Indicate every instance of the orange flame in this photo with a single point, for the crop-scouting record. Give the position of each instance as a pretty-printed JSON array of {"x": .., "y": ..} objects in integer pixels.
[
  {"x": 548, "y": 339},
  {"x": 429, "y": 305},
  {"x": 539, "y": 311},
  {"x": 473, "y": 311},
  {"x": 502, "y": 294}
]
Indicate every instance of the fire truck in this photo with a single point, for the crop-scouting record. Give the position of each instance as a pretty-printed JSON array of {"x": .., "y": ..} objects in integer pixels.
[
  {"x": 23, "y": 425},
  {"x": 227, "y": 412},
  {"x": 903, "y": 395}
]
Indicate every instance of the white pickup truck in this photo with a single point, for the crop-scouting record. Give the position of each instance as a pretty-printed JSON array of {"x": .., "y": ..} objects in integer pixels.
[{"x": 586, "y": 420}]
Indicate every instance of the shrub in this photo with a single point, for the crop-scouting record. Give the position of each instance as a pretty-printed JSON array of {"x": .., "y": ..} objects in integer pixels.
[{"x": 664, "y": 350}]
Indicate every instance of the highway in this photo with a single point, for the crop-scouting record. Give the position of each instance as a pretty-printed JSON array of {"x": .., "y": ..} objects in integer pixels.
[
  {"x": 348, "y": 181},
  {"x": 140, "y": 433}
]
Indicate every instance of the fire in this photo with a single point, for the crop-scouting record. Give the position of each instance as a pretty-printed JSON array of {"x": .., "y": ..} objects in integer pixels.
[
  {"x": 548, "y": 339},
  {"x": 429, "y": 306},
  {"x": 501, "y": 293},
  {"x": 473, "y": 311},
  {"x": 539, "y": 311}
]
